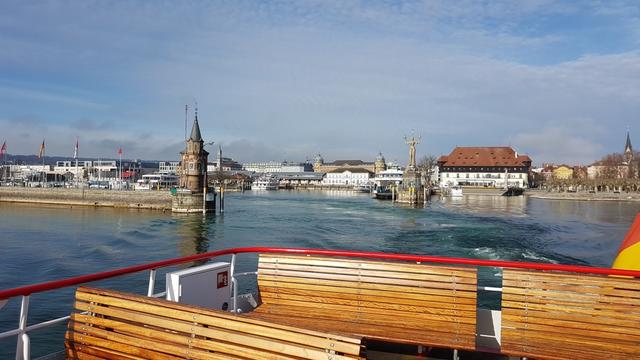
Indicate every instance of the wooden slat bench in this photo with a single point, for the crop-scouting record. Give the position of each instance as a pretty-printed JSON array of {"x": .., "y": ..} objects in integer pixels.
[
  {"x": 390, "y": 301},
  {"x": 567, "y": 316},
  {"x": 116, "y": 325}
]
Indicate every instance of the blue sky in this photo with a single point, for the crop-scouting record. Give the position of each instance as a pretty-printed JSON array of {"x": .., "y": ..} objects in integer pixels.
[{"x": 276, "y": 80}]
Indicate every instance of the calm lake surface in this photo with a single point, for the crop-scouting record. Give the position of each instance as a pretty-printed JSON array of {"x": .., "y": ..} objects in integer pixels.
[{"x": 47, "y": 243}]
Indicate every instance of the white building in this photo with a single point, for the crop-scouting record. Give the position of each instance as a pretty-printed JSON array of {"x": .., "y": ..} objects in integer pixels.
[
  {"x": 63, "y": 167},
  {"x": 168, "y": 167},
  {"x": 485, "y": 167},
  {"x": 276, "y": 167},
  {"x": 347, "y": 177}
]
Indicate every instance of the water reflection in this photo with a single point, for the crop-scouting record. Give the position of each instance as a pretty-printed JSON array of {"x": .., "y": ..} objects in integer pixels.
[
  {"x": 507, "y": 205},
  {"x": 613, "y": 212},
  {"x": 195, "y": 234}
]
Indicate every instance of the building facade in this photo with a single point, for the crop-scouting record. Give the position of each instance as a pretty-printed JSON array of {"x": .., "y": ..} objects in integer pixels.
[
  {"x": 267, "y": 167},
  {"x": 168, "y": 167},
  {"x": 320, "y": 166},
  {"x": 485, "y": 167},
  {"x": 349, "y": 177},
  {"x": 563, "y": 172}
]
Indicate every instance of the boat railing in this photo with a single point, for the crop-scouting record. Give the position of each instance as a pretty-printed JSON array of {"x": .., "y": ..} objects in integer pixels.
[{"x": 23, "y": 347}]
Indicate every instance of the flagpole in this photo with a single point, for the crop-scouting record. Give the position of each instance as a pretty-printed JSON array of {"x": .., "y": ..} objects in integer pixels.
[
  {"x": 44, "y": 179},
  {"x": 4, "y": 161},
  {"x": 120, "y": 170},
  {"x": 75, "y": 153}
]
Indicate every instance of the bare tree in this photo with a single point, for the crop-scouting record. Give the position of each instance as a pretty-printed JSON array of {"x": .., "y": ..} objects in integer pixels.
[
  {"x": 426, "y": 165},
  {"x": 611, "y": 167}
]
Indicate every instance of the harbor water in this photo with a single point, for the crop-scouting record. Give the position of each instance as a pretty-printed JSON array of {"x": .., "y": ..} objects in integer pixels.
[{"x": 40, "y": 243}]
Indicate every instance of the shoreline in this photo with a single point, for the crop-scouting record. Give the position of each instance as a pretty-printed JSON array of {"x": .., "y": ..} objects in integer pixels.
[
  {"x": 161, "y": 200},
  {"x": 547, "y": 195}
]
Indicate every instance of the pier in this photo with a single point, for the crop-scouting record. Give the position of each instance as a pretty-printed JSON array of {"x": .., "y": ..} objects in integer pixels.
[{"x": 151, "y": 200}]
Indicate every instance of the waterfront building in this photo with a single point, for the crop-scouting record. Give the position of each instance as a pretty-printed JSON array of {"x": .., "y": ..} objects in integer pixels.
[
  {"x": 168, "y": 167},
  {"x": 62, "y": 167},
  {"x": 267, "y": 167},
  {"x": 380, "y": 164},
  {"x": 347, "y": 177},
  {"x": 227, "y": 164},
  {"x": 320, "y": 166},
  {"x": 498, "y": 166},
  {"x": 194, "y": 194},
  {"x": 194, "y": 161},
  {"x": 563, "y": 172}
]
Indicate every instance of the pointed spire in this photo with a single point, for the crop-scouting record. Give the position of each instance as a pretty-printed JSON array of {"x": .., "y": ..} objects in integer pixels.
[
  {"x": 195, "y": 131},
  {"x": 627, "y": 146}
]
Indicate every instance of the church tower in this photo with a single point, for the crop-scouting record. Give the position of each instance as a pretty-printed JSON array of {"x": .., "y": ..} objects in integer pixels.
[
  {"x": 628, "y": 150},
  {"x": 380, "y": 164},
  {"x": 194, "y": 161},
  {"x": 318, "y": 163}
]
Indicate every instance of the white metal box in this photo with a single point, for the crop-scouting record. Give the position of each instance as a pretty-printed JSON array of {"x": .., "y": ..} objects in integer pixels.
[{"x": 206, "y": 285}]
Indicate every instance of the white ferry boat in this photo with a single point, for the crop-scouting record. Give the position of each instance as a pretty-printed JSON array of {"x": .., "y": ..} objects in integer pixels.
[
  {"x": 265, "y": 182},
  {"x": 366, "y": 188},
  {"x": 157, "y": 181}
]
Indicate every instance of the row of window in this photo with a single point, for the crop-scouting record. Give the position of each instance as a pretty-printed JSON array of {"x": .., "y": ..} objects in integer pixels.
[
  {"x": 485, "y": 176},
  {"x": 491, "y": 169}
]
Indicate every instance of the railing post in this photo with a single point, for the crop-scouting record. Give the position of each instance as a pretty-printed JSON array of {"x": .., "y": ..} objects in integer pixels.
[
  {"x": 23, "y": 344},
  {"x": 234, "y": 285},
  {"x": 152, "y": 282}
]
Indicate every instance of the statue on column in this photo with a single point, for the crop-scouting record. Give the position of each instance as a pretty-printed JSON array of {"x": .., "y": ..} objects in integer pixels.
[{"x": 412, "y": 150}]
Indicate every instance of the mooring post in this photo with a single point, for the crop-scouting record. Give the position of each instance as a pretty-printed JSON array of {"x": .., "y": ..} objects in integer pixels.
[{"x": 221, "y": 199}]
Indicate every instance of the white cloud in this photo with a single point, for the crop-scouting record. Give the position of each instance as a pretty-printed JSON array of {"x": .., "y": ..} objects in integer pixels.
[
  {"x": 559, "y": 145},
  {"x": 285, "y": 80}
]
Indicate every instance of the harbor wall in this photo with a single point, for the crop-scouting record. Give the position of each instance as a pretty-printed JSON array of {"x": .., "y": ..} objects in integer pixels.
[{"x": 155, "y": 200}]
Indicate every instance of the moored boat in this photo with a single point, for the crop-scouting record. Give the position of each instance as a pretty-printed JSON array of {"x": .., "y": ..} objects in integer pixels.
[
  {"x": 383, "y": 193},
  {"x": 265, "y": 182},
  {"x": 366, "y": 188}
]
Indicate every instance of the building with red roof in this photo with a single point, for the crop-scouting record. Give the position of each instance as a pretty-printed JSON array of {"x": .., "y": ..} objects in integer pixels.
[{"x": 494, "y": 166}]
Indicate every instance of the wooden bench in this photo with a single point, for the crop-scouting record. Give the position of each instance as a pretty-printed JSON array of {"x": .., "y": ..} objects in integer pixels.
[
  {"x": 389, "y": 301},
  {"x": 115, "y": 325},
  {"x": 567, "y": 316}
]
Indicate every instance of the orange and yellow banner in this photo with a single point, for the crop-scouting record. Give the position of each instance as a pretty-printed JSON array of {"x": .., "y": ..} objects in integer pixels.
[{"x": 629, "y": 254}]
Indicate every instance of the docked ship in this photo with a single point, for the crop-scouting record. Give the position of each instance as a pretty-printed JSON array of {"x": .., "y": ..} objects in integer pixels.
[
  {"x": 366, "y": 188},
  {"x": 383, "y": 193},
  {"x": 337, "y": 304},
  {"x": 265, "y": 182}
]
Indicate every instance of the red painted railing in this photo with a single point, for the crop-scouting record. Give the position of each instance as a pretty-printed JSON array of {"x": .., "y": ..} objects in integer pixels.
[{"x": 52, "y": 285}]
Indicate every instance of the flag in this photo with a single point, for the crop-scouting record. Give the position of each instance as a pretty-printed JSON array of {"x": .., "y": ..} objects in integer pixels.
[
  {"x": 41, "y": 153},
  {"x": 75, "y": 150},
  {"x": 629, "y": 254},
  {"x": 120, "y": 151},
  {"x": 3, "y": 149}
]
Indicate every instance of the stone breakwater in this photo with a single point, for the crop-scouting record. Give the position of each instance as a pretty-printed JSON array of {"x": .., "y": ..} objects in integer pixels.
[{"x": 154, "y": 200}]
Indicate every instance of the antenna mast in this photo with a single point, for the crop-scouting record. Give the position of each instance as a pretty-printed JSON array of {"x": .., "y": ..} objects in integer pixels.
[{"x": 186, "y": 110}]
